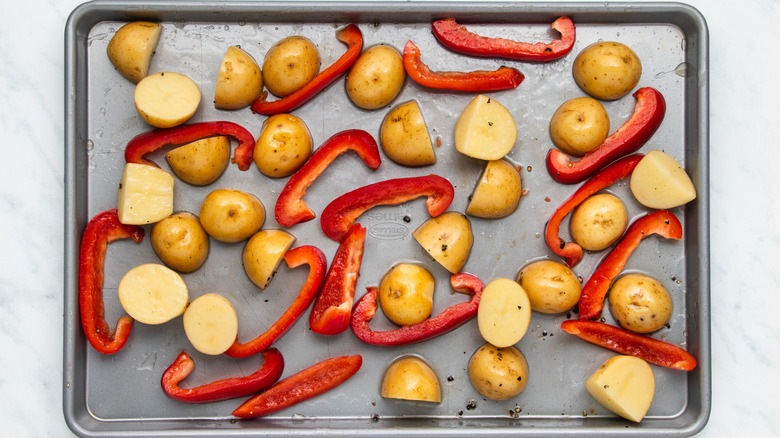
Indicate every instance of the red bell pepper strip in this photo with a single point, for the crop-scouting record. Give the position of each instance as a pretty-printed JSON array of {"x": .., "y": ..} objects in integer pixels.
[
  {"x": 268, "y": 374},
  {"x": 502, "y": 79},
  {"x": 660, "y": 222},
  {"x": 290, "y": 207},
  {"x": 571, "y": 251},
  {"x": 150, "y": 141},
  {"x": 455, "y": 37},
  {"x": 308, "y": 255},
  {"x": 338, "y": 217},
  {"x": 311, "y": 382},
  {"x": 623, "y": 341},
  {"x": 450, "y": 319},
  {"x": 647, "y": 117},
  {"x": 103, "y": 229},
  {"x": 330, "y": 314},
  {"x": 349, "y": 35}
]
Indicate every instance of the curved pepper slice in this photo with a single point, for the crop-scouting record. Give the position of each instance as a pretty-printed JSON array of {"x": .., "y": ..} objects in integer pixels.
[
  {"x": 341, "y": 213},
  {"x": 647, "y": 117},
  {"x": 660, "y": 222},
  {"x": 268, "y": 374},
  {"x": 450, "y": 319},
  {"x": 150, "y": 141},
  {"x": 311, "y": 382},
  {"x": 502, "y": 79},
  {"x": 290, "y": 208},
  {"x": 623, "y": 341},
  {"x": 571, "y": 251},
  {"x": 103, "y": 229},
  {"x": 349, "y": 35},
  {"x": 330, "y": 314},
  {"x": 455, "y": 37},
  {"x": 308, "y": 255}
]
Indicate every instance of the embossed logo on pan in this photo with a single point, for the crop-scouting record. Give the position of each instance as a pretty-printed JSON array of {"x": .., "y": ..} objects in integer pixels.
[{"x": 388, "y": 231}]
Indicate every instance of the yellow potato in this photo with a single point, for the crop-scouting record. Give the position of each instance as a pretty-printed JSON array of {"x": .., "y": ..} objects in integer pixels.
[
  {"x": 263, "y": 253},
  {"x": 410, "y": 378},
  {"x": 504, "y": 313},
  {"x": 201, "y": 162},
  {"x": 498, "y": 191},
  {"x": 180, "y": 241},
  {"x": 290, "y": 64},
  {"x": 131, "y": 48},
  {"x": 579, "y": 125},
  {"x": 376, "y": 78},
  {"x": 659, "y": 181},
  {"x": 498, "y": 373},
  {"x": 640, "y": 303},
  {"x": 239, "y": 81},
  {"x": 211, "y": 324},
  {"x": 406, "y": 294},
  {"x": 625, "y": 385},
  {"x": 153, "y": 294},
  {"x": 166, "y": 99},
  {"x": 230, "y": 215},
  {"x": 485, "y": 130},
  {"x": 598, "y": 222},
  {"x": 145, "y": 194},
  {"x": 447, "y": 238},
  {"x": 283, "y": 145},
  {"x": 607, "y": 70},
  {"x": 552, "y": 287},
  {"x": 404, "y": 136}
]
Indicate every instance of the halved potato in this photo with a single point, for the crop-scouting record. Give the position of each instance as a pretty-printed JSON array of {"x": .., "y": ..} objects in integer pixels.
[
  {"x": 410, "y": 378},
  {"x": 145, "y": 194},
  {"x": 498, "y": 373},
  {"x": 166, "y": 99},
  {"x": 290, "y": 64},
  {"x": 211, "y": 324},
  {"x": 498, "y": 191},
  {"x": 404, "y": 136},
  {"x": 180, "y": 241},
  {"x": 504, "y": 313},
  {"x": 239, "y": 82},
  {"x": 131, "y": 48},
  {"x": 283, "y": 145},
  {"x": 659, "y": 181},
  {"x": 153, "y": 293},
  {"x": 447, "y": 238},
  {"x": 485, "y": 130},
  {"x": 625, "y": 385},
  {"x": 406, "y": 294},
  {"x": 263, "y": 253},
  {"x": 201, "y": 162}
]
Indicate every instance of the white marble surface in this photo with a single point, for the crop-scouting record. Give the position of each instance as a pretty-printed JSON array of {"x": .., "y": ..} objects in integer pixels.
[{"x": 744, "y": 60}]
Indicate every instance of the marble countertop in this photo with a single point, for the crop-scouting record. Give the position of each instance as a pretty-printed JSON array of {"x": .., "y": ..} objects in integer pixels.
[{"x": 745, "y": 291}]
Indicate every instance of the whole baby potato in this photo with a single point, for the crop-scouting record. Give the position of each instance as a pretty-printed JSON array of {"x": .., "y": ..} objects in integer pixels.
[
  {"x": 201, "y": 162},
  {"x": 404, "y": 136},
  {"x": 498, "y": 373},
  {"x": 239, "y": 81},
  {"x": 230, "y": 215},
  {"x": 607, "y": 70},
  {"x": 410, "y": 378},
  {"x": 290, "y": 64},
  {"x": 598, "y": 222},
  {"x": 552, "y": 287},
  {"x": 180, "y": 241},
  {"x": 640, "y": 303},
  {"x": 498, "y": 191},
  {"x": 283, "y": 146},
  {"x": 376, "y": 78},
  {"x": 131, "y": 48},
  {"x": 406, "y": 294},
  {"x": 579, "y": 125}
]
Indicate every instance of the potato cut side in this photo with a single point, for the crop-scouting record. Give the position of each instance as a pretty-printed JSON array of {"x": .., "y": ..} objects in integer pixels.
[
  {"x": 504, "y": 313},
  {"x": 166, "y": 99},
  {"x": 211, "y": 324},
  {"x": 447, "y": 238},
  {"x": 485, "y": 130},
  {"x": 625, "y": 385},
  {"x": 659, "y": 181},
  {"x": 498, "y": 191},
  {"x": 153, "y": 293},
  {"x": 145, "y": 194},
  {"x": 239, "y": 81},
  {"x": 410, "y": 378},
  {"x": 263, "y": 253},
  {"x": 200, "y": 162},
  {"x": 131, "y": 48},
  {"x": 404, "y": 136}
]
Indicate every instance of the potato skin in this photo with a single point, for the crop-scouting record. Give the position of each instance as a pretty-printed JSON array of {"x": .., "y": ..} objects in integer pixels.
[
  {"x": 290, "y": 64},
  {"x": 579, "y": 125},
  {"x": 201, "y": 162},
  {"x": 376, "y": 78},
  {"x": 406, "y": 294},
  {"x": 230, "y": 215},
  {"x": 447, "y": 238},
  {"x": 607, "y": 70},
  {"x": 598, "y": 222},
  {"x": 498, "y": 191},
  {"x": 498, "y": 373},
  {"x": 640, "y": 303},
  {"x": 180, "y": 241},
  {"x": 283, "y": 146},
  {"x": 239, "y": 81},
  {"x": 131, "y": 48},
  {"x": 552, "y": 287},
  {"x": 404, "y": 136},
  {"x": 410, "y": 378},
  {"x": 263, "y": 253}
]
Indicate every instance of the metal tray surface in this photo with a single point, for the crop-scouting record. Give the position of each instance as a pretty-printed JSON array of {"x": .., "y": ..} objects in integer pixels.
[{"x": 120, "y": 395}]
